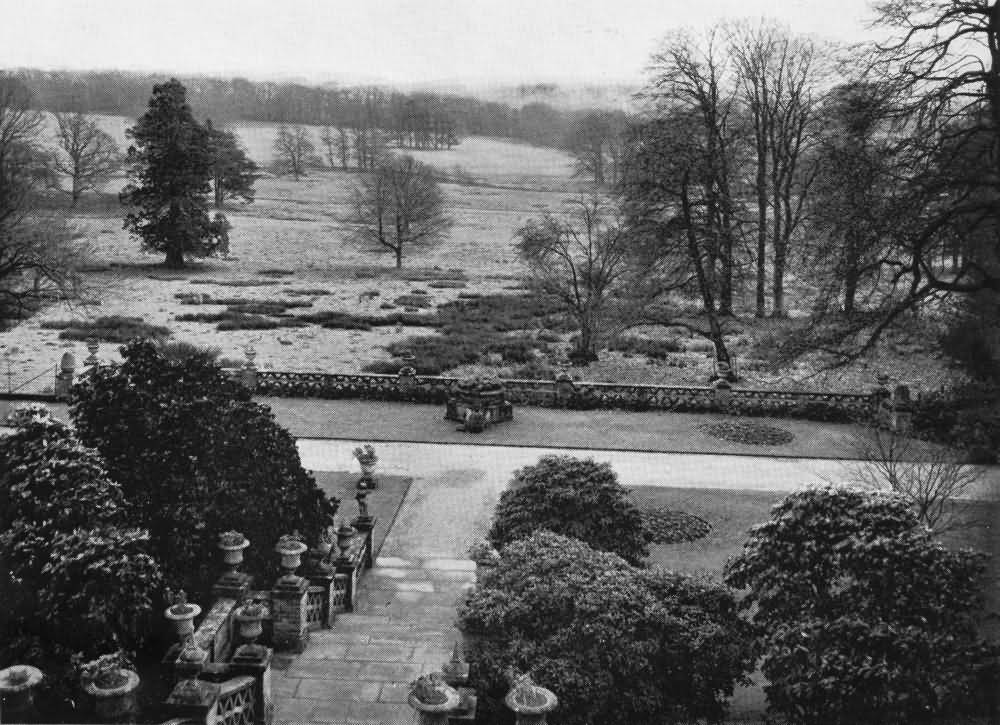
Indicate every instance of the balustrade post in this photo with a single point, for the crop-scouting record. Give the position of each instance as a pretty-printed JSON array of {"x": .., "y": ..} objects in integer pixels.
[
  {"x": 194, "y": 700},
  {"x": 248, "y": 374},
  {"x": 289, "y": 599},
  {"x": 64, "y": 378},
  {"x": 254, "y": 660}
]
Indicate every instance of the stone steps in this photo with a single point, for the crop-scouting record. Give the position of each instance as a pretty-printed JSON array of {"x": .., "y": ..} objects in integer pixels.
[{"x": 359, "y": 671}]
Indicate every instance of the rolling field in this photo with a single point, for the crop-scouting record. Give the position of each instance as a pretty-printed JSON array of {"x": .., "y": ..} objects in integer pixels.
[{"x": 295, "y": 227}]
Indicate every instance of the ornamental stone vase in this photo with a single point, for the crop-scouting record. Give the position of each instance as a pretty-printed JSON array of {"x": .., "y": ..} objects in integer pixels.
[
  {"x": 17, "y": 690},
  {"x": 530, "y": 703},
  {"x": 182, "y": 615},
  {"x": 435, "y": 713},
  {"x": 114, "y": 704}
]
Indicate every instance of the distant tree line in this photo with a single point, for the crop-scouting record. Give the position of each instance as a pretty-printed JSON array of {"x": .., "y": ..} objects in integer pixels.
[{"x": 418, "y": 120}]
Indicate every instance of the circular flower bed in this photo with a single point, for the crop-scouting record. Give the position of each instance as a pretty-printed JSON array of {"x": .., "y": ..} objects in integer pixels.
[
  {"x": 672, "y": 527},
  {"x": 752, "y": 434}
]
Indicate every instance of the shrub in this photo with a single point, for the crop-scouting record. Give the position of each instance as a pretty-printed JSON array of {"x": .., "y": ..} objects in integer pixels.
[
  {"x": 655, "y": 349},
  {"x": 618, "y": 645},
  {"x": 967, "y": 418},
  {"x": 176, "y": 436},
  {"x": 413, "y": 300},
  {"x": 75, "y": 578},
  {"x": 862, "y": 617},
  {"x": 573, "y": 497},
  {"x": 111, "y": 328}
]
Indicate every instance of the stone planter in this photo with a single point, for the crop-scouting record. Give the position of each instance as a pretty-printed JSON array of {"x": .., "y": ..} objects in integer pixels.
[
  {"x": 17, "y": 686},
  {"x": 250, "y": 624},
  {"x": 232, "y": 554},
  {"x": 182, "y": 615},
  {"x": 530, "y": 703},
  {"x": 291, "y": 551},
  {"x": 435, "y": 714},
  {"x": 113, "y": 704}
]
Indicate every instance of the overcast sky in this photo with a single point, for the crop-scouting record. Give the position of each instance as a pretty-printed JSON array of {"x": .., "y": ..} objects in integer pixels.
[{"x": 391, "y": 41}]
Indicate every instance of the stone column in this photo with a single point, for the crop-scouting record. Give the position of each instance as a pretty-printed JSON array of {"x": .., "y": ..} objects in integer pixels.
[
  {"x": 723, "y": 393},
  {"x": 529, "y": 702}
]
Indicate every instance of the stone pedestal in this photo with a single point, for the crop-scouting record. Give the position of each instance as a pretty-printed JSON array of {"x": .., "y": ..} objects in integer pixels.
[
  {"x": 288, "y": 613},
  {"x": 232, "y": 585},
  {"x": 254, "y": 660},
  {"x": 116, "y": 704}
]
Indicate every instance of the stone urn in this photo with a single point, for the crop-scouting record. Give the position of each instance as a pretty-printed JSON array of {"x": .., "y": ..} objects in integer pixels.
[
  {"x": 529, "y": 702},
  {"x": 17, "y": 690},
  {"x": 291, "y": 547},
  {"x": 232, "y": 544},
  {"x": 366, "y": 460},
  {"x": 112, "y": 682},
  {"x": 249, "y": 616},
  {"x": 433, "y": 699},
  {"x": 182, "y": 613}
]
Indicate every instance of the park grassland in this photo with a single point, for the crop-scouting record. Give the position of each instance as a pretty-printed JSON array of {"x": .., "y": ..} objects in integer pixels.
[
  {"x": 291, "y": 242},
  {"x": 731, "y": 513}
]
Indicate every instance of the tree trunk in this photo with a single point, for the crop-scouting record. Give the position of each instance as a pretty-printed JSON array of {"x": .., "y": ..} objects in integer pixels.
[
  {"x": 761, "y": 244},
  {"x": 704, "y": 284},
  {"x": 780, "y": 250},
  {"x": 399, "y": 257},
  {"x": 175, "y": 256},
  {"x": 220, "y": 199},
  {"x": 851, "y": 274}
]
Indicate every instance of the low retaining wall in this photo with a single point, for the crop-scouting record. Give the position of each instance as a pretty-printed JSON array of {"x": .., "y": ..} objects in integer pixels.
[{"x": 572, "y": 394}]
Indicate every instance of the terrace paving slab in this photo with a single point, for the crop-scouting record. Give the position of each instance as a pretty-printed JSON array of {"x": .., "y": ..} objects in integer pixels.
[{"x": 359, "y": 671}]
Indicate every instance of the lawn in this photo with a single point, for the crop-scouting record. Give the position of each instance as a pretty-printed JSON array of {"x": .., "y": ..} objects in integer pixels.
[{"x": 732, "y": 513}]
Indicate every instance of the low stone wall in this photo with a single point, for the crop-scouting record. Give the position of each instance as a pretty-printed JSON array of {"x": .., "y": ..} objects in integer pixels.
[{"x": 565, "y": 393}]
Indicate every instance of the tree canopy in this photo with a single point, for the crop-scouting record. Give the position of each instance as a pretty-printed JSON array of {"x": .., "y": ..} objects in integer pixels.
[
  {"x": 861, "y": 616},
  {"x": 170, "y": 168}
]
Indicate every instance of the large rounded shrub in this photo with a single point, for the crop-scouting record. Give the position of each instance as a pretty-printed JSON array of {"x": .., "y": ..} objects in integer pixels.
[
  {"x": 617, "y": 644},
  {"x": 195, "y": 457},
  {"x": 74, "y": 576},
  {"x": 862, "y": 616},
  {"x": 575, "y": 497}
]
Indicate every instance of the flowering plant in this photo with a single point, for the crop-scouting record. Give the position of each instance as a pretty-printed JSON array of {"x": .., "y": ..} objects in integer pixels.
[
  {"x": 365, "y": 453},
  {"x": 482, "y": 550},
  {"x": 24, "y": 413},
  {"x": 429, "y": 689},
  {"x": 106, "y": 671},
  {"x": 178, "y": 602},
  {"x": 252, "y": 608},
  {"x": 231, "y": 538}
]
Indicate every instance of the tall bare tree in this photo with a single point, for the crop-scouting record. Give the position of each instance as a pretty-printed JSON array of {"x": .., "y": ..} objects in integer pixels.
[
  {"x": 87, "y": 154},
  {"x": 38, "y": 254},
  {"x": 695, "y": 76},
  {"x": 293, "y": 149},
  {"x": 779, "y": 76},
  {"x": 397, "y": 207},
  {"x": 588, "y": 259}
]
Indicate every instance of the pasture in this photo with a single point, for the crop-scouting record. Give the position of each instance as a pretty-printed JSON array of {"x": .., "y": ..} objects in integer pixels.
[{"x": 291, "y": 241}]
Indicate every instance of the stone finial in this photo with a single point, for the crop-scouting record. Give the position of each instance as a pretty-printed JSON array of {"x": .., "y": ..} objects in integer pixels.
[{"x": 456, "y": 670}]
